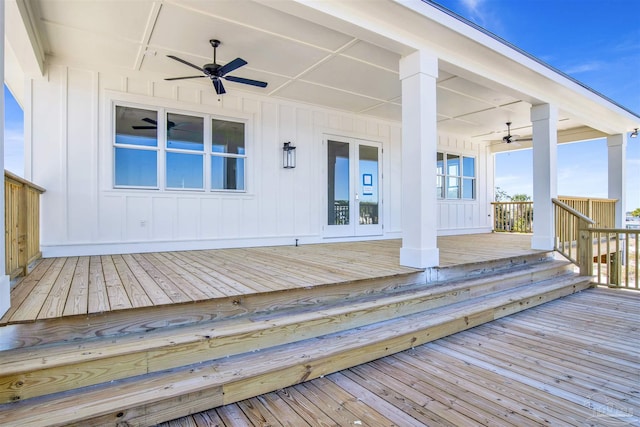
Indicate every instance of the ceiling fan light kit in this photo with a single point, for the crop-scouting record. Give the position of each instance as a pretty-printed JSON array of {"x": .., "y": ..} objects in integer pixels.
[{"x": 217, "y": 72}]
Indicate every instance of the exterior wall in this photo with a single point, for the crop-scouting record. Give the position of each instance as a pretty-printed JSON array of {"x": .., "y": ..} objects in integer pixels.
[
  {"x": 70, "y": 153},
  {"x": 468, "y": 216}
]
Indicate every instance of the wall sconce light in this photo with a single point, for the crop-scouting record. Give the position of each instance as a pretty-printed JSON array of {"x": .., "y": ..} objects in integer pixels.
[
  {"x": 634, "y": 134},
  {"x": 288, "y": 156}
]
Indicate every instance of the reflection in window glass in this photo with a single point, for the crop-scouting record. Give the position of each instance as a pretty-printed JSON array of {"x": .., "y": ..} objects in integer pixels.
[
  {"x": 185, "y": 132},
  {"x": 440, "y": 164},
  {"x": 135, "y": 126},
  {"x": 184, "y": 170},
  {"x": 227, "y": 173},
  {"x": 368, "y": 167},
  {"x": 468, "y": 167},
  {"x": 453, "y": 188},
  {"x": 227, "y": 137},
  {"x": 135, "y": 168},
  {"x": 468, "y": 188},
  {"x": 456, "y": 176},
  {"x": 338, "y": 167},
  {"x": 136, "y": 141},
  {"x": 453, "y": 165}
]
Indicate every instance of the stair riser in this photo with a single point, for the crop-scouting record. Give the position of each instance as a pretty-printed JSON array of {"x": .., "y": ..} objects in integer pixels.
[
  {"x": 310, "y": 369},
  {"x": 94, "y": 369},
  {"x": 204, "y": 390},
  {"x": 142, "y": 320},
  {"x": 439, "y": 274}
]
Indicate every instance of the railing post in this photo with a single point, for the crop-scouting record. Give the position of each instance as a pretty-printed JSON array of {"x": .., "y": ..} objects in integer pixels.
[{"x": 585, "y": 249}]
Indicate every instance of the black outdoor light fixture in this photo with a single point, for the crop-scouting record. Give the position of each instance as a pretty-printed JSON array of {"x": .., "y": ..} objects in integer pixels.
[
  {"x": 288, "y": 156},
  {"x": 634, "y": 134}
]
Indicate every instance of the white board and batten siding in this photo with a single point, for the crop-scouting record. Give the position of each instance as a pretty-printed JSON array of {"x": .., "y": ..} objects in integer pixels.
[{"x": 69, "y": 150}]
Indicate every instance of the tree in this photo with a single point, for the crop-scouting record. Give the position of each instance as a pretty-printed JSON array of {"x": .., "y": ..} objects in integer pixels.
[
  {"x": 636, "y": 212},
  {"x": 521, "y": 198},
  {"x": 501, "y": 195}
]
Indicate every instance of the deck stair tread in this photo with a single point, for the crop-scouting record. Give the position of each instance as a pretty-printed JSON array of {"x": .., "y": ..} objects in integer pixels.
[
  {"x": 360, "y": 310},
  {"x": 141, "y": 400}
]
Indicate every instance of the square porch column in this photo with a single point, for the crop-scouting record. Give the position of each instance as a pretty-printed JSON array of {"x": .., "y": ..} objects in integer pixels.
[
  {"x": 616, "y": 155},
  {"x": 5, "y": 284},
  {"x": 418, "y": 73},
  {"x": 544, "y": 118}
]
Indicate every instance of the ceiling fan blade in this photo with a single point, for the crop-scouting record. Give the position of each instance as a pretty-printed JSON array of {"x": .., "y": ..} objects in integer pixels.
[
  {"x": 246, "y": 81},
  {"x": 227, "y": 68},
  {"x": 182, "y": 78},
  {"x": 218, "y": 86},
  {"x": 185, "y": 62},
  {"x": 144, "y": 127},
  {"x": 149, "y": 120}
]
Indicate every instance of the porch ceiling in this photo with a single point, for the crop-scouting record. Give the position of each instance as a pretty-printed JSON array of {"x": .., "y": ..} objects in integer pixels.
[{"x": 300, "y": 59}]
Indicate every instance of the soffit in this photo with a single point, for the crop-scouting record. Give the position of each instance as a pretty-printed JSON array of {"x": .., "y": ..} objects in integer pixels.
[{"x": 301, "y": 59}]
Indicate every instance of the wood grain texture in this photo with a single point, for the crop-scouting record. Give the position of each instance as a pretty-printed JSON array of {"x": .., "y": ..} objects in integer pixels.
[
  {"x": 77, "y": 286},
  {"x": 508, "y": 372}
]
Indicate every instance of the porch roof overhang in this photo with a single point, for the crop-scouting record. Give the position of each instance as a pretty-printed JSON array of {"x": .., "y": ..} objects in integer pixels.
[{"x": 339, "y": 55}]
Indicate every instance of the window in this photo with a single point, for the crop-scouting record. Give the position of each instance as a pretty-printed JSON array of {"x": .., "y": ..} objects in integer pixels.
[
  {"x": 178, "y": 157},
  {"x": 136, "y": 148},
  {"x": 227, "y": 155},
  {"x": 455, "y": 176},
  {"x": 185, "y": 152}
]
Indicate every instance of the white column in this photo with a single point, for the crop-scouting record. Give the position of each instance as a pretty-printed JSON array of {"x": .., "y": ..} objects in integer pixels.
[
  {"x": 5, "y": 302},
  {"x": 544, "y": 118},
  {"x": 616, "y": 154},
  {"x": 418, "y": 73}
]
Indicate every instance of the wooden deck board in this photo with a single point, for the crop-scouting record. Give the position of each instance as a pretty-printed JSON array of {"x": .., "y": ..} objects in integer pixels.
[
  {"x": 506, "y": 372},
  {"x": 97, "y": 284}
]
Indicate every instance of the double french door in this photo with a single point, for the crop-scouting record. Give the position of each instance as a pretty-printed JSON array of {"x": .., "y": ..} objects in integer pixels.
[{"x": 353, "y": 187}]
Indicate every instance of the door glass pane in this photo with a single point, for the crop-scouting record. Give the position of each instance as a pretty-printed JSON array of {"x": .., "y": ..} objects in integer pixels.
[
  {"x": 368, "y": 164},
  {"x": 338, "y": 183}
]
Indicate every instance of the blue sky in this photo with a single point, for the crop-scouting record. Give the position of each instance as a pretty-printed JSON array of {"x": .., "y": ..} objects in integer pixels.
[{"x": 594, "y": 41}]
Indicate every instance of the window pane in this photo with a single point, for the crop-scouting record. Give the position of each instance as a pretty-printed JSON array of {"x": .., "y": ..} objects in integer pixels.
[
  {"x": 469, "y": 166},
  {"x": 184, "y": 170},
  {"x": 338, "y": 167},
  {"x": 185, "y": 132},
  {"x": 135, "y": 126},
  {"x": 453, "y": 165},
  {"x": 368, "y": 166},
  {"x": 453, "y": 188},
  {"x": 227, "y": 173},
  {"x": 136, "y": 168},
  {"x": 440, "y": 164},
  {"x": 440, "y": 186},
  {"x": 469, "y": 188},
  {"x": 227, "y": 137}
]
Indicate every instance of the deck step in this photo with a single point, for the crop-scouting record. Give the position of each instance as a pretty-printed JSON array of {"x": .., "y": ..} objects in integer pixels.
[
  {"x": 159, "y": 396},
  {"x": 30, "y": 372}
]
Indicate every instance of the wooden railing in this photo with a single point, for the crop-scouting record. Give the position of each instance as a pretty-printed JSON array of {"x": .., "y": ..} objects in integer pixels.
[
  {"x": 514, "y": 217},
  {"x": 22, "y": 224},
  {"x": 602, "y": 211},
  {"x": 615, "y": 257},
  {"x": 517, "y": 217},
  {"x": 571, "y": 230},
  {"x": 609, "y": 255}
]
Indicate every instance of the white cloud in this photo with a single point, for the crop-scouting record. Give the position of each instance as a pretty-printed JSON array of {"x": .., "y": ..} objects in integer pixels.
[{"x": 583, "y": 68}]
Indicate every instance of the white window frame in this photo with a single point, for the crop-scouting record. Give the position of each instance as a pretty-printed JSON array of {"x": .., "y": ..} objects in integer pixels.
[
  {"x": 444, "y": 193},
  {"x": 161, "y": 148}
]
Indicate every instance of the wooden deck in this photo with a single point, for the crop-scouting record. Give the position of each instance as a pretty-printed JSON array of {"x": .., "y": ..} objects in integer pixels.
[
  {"x": 570, "y": 362},
  {"x": 73, "y": 286}
]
